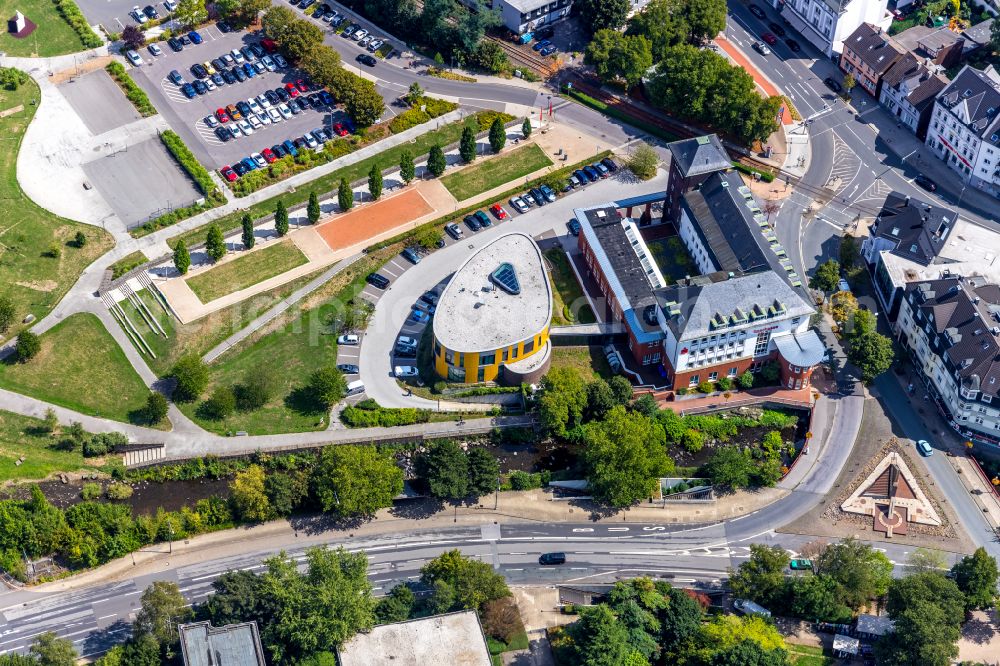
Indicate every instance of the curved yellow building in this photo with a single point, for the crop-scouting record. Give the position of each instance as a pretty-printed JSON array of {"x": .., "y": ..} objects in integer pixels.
[{"x": 492, "y": 321}]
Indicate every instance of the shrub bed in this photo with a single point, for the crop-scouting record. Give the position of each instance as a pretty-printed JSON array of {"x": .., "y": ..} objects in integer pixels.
[
  {"x": 72, "y": 14},
  {"x": 765, "y": 176},
  {"x": 451, "y": 76},
  {"x": 368, "y": 414},
  {"x": 190, "y": 163},
  {"x": 598, "y": 105},
  {"x": 173, "y": 217},
  {"x": 134, "y": 93}
]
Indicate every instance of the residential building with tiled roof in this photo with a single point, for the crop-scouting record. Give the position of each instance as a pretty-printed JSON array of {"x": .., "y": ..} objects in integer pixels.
[
  {"x": 964, "y": 129},
  {"x": 828, "y": 23},
  {"x": 952, "y": 326},
  {"x": 868, "y": 54}
]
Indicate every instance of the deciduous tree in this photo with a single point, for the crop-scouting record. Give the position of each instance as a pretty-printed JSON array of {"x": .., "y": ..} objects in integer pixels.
[
  {"x": 826, "y": 277},
  {"x": 872, "y": 354},
  {"x": 618, "y": 57},
  {"x": 215, "y": 244},
  {"x": 248, "y": 495},
  {"x": 281, "y": 218},
  {"x": 498, "y": 135},
  {"x": 436, "y": 163},
  {"x": 299, "y": 38},
  {"x": 762, "y": 577},
  {"x": 156, "y": 408},
  {"x": 220, "y": 404},
  {"x": 484, "y": 471},
  {"x": 730, "y": 467},
  {"x": 162, "y": 608},
  {"x": 490, "y": 56},
  {"x": 327, "y": 386},
  {"x": 322, "y": 63},
  {"x": 191, "y": 375},
  {"x": 643, "y": 161},
  {"x": 49, "y": 650},
  {"x": 861, "y": 572},
  {"x": 445, "y": 467},
  {"x": 356, "y": 480},
  {"x": 345, "y": 196},
  {"x": 563, "y": 399},
  {"x": 472, "y": 582},
  {"x": 625, "y": 454},
  {"x": 363, "y": 102},
  {"x": 927, "y": 609},
  {"x": 598, "y": 638},
  {"x": 976, "y": 576},
  {"x": 407, "y": 170},
  {"x": 133, "y": 37},
  {"x": 191, "y": 13},
  {"x": 8, "y": 313},
  {"x": 27, "y": 347},
  {"x": 601, "y": 14},
  {"x": 843, "y": 305},
  {"x": 182, "y": 258}
]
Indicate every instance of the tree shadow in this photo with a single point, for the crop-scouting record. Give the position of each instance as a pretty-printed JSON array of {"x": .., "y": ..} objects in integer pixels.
[
  {"x": 416, "y": 509},
  {"x": 102, "y": 640},
  {"x": 301, "y": 402},
  {"x": 317, "y": 523}
]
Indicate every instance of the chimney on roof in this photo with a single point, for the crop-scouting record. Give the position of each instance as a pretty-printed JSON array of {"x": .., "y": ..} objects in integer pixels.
[{"x": 906, "y": 201}]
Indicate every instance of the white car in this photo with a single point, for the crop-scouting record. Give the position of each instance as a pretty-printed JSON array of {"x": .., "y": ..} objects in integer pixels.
[
  {"x": 405, "y": 371},
  {"x": 285, "y": 112},
  {"x": 269, "y": 63},
  {"x": 245, "y": 127},
  {"x": 275, "y": 115},
  {"x": 518, "y": 204},
  {"x": 310, "y": 140},
  {"x": 406, "y": 341},
  {"x": 210, "y": 84},
  {"x": 348, "y": 339},
  {"x": 237, "y": 56},
  {"x": 263, "y": 117},
  {"x": 170, "y": 5},
  {"x": 259, "y": 159},
  {"x": 375, "y": 45},
  {"x": 254, "y": 106},
  {"x": 359, "y": 34},
  {"x": 133, "y": 57},
  {"x": 264, "y": 102},
  {"x": 235, "y": 129},
  {"x": 364, "y": 41},
  {"x": 138, "y": 15},
  {"x": 155, "y": 49},
  {"x": 212, "y": 121},
  {"x": 255, "y": 121},
  {"x": 279, "y": 60}
]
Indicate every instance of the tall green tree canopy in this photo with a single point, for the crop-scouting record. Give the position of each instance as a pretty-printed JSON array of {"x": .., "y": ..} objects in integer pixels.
[
  {"x": 598, "y": 638},
  {"x": 564, "y": 397},
  {"x": 861, "y": 572},
  {"x": 826, "y": 277},
  {"x": 446, "y": 469},
  {"x": 761, "y": 578},
  {"x": 473, "y": 583},
  {"x": 625, "y": 454},
  {"x": 601, "y": 14},
  {"x": 356, "y": 480},
  {"x": 976, "y": 576},
  {"x": 927, "y": 609}
]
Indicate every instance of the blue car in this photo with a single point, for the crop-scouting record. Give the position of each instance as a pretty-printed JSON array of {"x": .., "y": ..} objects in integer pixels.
[
  {"x": 326, "y": 97},
  {"x": 290, "y": 147},
  {"x": 195, "y": 37},
  {"x": 419, "y": 316},
  {"x": 249, "y": 70},
  {"x": 188, "y": 90},
  {"x": 541, "y": 45},
  {"x": 581, "y": 176},
  {"x": 249, "y": 163},
  {"x": 548, "y": 50},
  {"x": 175, "y": 77},
  {"x": 592, "y": 173}
]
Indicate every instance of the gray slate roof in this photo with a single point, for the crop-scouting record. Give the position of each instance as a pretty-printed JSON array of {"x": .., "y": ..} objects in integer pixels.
[
  {"x": 919, "y": 229},
  {"x": 700, "y": 155},
  {"x": 974, "y": 98},
  {"x": 231, "y": 645},
  {"x": 876, "y": 625},
  {"x": 874, "y": 48},
  {"x": 979, "y": 34}
]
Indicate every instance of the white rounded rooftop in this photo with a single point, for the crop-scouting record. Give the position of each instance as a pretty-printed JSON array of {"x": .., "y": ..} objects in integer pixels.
[{"x": 499, "y": 297}]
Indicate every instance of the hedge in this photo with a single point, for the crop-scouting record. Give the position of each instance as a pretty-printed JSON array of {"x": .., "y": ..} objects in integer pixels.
[
  {"x": 72, "y": 14},
  {"x": 134, "y": 93},
  {"x": 173, "y": 217},
  {"x": 608, "y": 110},
  {"x": 765, "y": 176},
  {"x": 368, "y": 414},
  {"x": 190, "y": 163}
]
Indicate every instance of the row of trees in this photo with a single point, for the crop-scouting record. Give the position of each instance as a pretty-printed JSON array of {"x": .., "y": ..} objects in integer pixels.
[
  {"x": 927, "y": 606},
  {"x": 642, "y": 622}
]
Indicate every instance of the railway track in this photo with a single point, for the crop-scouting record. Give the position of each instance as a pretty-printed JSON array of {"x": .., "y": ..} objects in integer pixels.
[{"x": 519, "y": 56}]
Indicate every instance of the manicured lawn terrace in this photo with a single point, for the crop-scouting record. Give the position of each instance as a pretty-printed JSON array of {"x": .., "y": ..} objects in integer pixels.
[
  {"x": 495, "y": 171},
  {"x": 672, "y": 258},
  {"x": 52, "y": 37},
  {"x": 81, "y": 367},
  {"x": 246, "y": 271},
  {"x": 443, "y": 136},
  {"x": 589, "y": 361},
  {"x": 301, "y": 341},
  {"x": 153, "y": 338},
  {"x": 569, "y": 306},
  {"x": 35, "y": 283},
  {"x": 22, "y": 436}
]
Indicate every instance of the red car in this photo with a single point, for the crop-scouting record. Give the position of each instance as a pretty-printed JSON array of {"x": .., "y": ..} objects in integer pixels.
[
  {"x": 498, "y": 212},
  {"x": 222, "y": 115},
  {"x": 228, "y": 173},
  {"x": 269, "y": 155},
  {"x": 769, "y": 38},
  {"x": 301, "y": 85},
  {"x": 340, "y": 130},
  {"x": 269, "y": 45},
  {"x": 292, "y": 90}
]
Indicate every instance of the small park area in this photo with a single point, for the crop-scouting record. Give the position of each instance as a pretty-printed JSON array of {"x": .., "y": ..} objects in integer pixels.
[
  {"x": 52, "y": 36},
  {"x": 246, "y": 271},
  {"x": 569, "y": 306},
  {"x": 495, "y": 171},
  {"x": 81, "y": 367},
  {"x": 27, "y": 440}
]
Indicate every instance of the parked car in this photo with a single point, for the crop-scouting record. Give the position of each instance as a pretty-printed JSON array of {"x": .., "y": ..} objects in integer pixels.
[
  {"x": 832, "y": 84},
  {"x": 548, "y": 50},
  {"x": 593, "y": 174},
  {"x": 419, "y": 316},
  {"x": 924, "y": 447},
  {"x": 405, "y": 371},
  {"x": 453, "y": 230},
  {"x": 483, "y": 219},
  {"x": 134, "y": 58},
  {"x": 430, "y": 297},
  {"x": 573, "y": 181},
  {"x": 761, "y": 48},
  {"x": 406, "y": 341},
  {"x": 747, "y": 607},
  {"x": 800, "y": 565},
  {"x": 366, "y": 59},
  {"x": 269, "y": 63},
  {"x": 200, "y": 87},
  {"x": 175, "y": 77},
  {"x": 574, "y": 227},
  {"x": 195, "y": 37},
  {"x": 175, "y": 44},
  {"x": 339, "y": 129},
  {"x": 540, "y": 45},
  {"x": 411, "y": 255},
  {"x": 552, "y": 559},
  {"x": 234, "y": 113},
  {"x": 926, "y": 183},
  {"x": 238, "y": 73},
  {"x": 188, "y": 90},
  {"x": 757, "y": 11},
  {"x": 602, "y": 170},
  {"x": 776, "y": 28},
  {"x": 581, "y": 176},
  {"x": 249, "y": 70},
  {"x": 150, "y": 12},
  {"x": 349, "y": 339},
  {"x": 549, "y": 193},
  {"x": 376, "y": 279},
  {"x": 537, "y": 196},
  {"x": 793, "y": 45},
  {"x": 348, "y": 368},
  {"x": 228, "y": 173},
  {"x": 155, "y": 49},
  {"x": 472, "y": 222},
  {"x": 240, "y": 169},
  {"x": 269, "y": 155},
  {"x": 499, "y": 212},
  {"x": 137, "y": 14},
  {"x": 279, "y": 60},
  {"x": 610, "y": 164},
  {"x": 517, "y": 203},
  {"x": 224, "y": 133},
  {"x": 769, "y": 38}
]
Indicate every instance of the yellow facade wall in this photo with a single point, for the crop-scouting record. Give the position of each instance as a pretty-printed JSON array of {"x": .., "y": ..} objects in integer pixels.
[{"x": 472, "y": 362}]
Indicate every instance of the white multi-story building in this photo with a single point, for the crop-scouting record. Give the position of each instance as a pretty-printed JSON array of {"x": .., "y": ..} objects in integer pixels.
[
  {"x": 827, "y": 23},
  {"x": 521, "y": 16},
  {"x": 908, "y": 92},
  {"x": 952, "y": 326},
  {"x": 964, "y": 129}
]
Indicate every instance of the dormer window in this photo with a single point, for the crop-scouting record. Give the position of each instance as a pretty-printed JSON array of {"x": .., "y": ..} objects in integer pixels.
[{"x": 895, "y": 231}]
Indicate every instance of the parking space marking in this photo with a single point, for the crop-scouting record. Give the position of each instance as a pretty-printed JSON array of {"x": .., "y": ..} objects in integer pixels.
[
  {"x": 173, "y": 93},
  {"x": 207, "y": 134}
]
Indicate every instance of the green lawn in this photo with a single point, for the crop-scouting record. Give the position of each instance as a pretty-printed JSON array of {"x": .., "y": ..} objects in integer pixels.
[
  {"x": 155, "y": 340},
  {"x": 442, "y": 136},
  {"x": 127, "y": 263},
  {"x": 247, "y": 270},
  {"x": 495, "y": 171},
  {"x": 589, "y": 361},
  {"x": 569, "y": 305},
  {"x": 672, "y": 258},
  {"x": 808, "y": 655},
  {"x": 52, "y": 37},
  {"x": 300, "y": 342},
  {"x": 34, "y": 282},
  {"x": 22, "y": 436},
  {"x": 80, "y": 366}
]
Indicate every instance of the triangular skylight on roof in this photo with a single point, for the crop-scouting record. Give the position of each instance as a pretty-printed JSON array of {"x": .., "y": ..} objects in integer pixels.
[{"x": 506, "y": 278}]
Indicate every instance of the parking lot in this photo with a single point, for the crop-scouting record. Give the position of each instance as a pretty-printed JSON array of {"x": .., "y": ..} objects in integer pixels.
[
  {"x": 187, "y": 116},
  {"x": 99, "y": 101},
  {"x": 114, "y": 15},
  {"x": 141, "y": 182}
]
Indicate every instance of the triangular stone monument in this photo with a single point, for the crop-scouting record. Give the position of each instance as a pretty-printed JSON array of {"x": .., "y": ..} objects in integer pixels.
[{"x": 891, "y": 495}]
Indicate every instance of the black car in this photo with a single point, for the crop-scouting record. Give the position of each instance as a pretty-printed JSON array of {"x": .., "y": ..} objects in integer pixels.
[
  {"x": 926, "y": 183},
  {"x": 757, "y": 11},
  {"x": 258, "y": 50},
  {"x": 271, "y": 97},
  {"x": 471, "y": 222},
  {"x": 218, "y": 80},
  {"x": 300, "y": 143},
  {"x": 793, "y": 45},
  {"x": 238, "y": 72},
  {"x": 554, "y": 558},
  {"x": 301, "y": 102},
  {"x": 244, "y": 108},
  {"x": 200, "y": 87},
  {"x": 537, "y": 195},
  {"x": 366, "y": 59},
  {"x": 377, "y": 280},
  {"x": 430, "y": 298},
  {"x": 581, "y": 176},
  {"x": 315, "y": 101},
  {"x": 150, "y": 12},
  {"x": 185, "y": 40},
  {"x": 228, "y": 77},
  {"x": 175, "y": 77},
  {"x": 279, "y": 150},
  {"x": 832, "y": 84},
  {"x": 281, "y": 93},
  {"x": 241, "y": 169},
  {"x": 776, "y": 29},
  {"x": 223, "y": 133},
  {"x": 545, "y": 32},
  {"x": 175, "y": 44},
  {"x": 348, "y": 368},
  {"x": 248, "y": 54},
  {"x": 223, "y": 26},
  {"x": 218, "y": 65},
  {"x": 610, "y": 164},
  {"x": 199, "y": 71}
]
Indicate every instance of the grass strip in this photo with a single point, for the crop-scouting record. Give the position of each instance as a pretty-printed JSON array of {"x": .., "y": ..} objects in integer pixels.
[
  {"x": 127, "y": 263},
  {"x": 246, "y": 271},
  {"x": 451, "y": 76},
  {"x": 495, "y": 171},
  {"x": 614, "y": 112},
  {"x": 569, "y": 305},
  {"x": 134, "y": 93},
  {"x": 41, "y": 453},
  {"x": 388, "y": 158}
]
